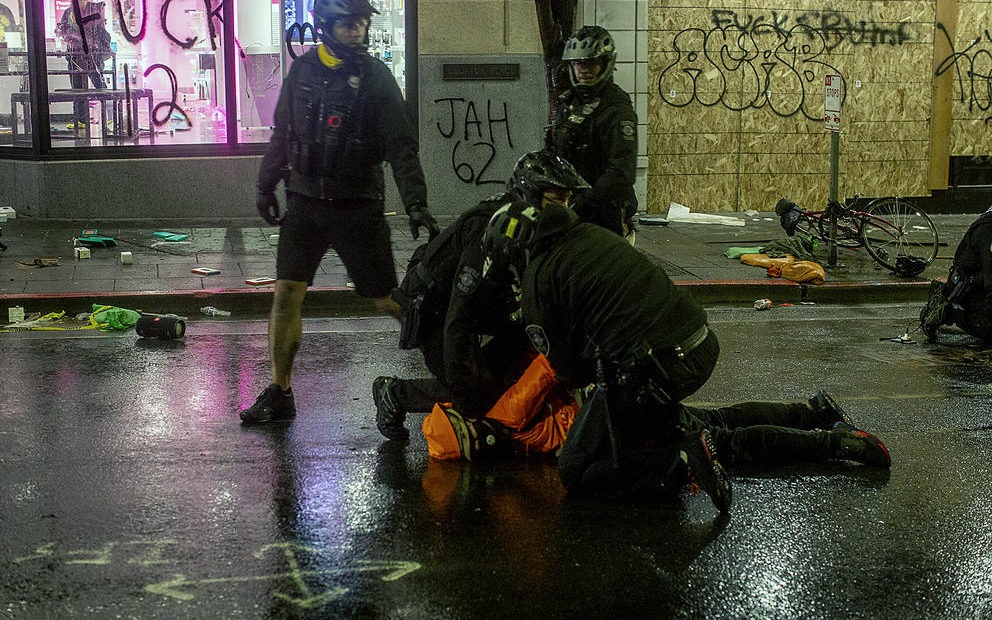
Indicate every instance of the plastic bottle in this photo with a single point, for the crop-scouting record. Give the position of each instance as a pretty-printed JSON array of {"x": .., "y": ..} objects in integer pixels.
[{"x": 211, "y": 311}]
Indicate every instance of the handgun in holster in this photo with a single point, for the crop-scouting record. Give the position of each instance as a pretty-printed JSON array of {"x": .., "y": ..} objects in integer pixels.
[{"x": 645, "y": 377}]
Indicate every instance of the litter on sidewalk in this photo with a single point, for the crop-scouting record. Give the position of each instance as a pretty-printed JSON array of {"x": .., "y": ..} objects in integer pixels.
[
  {"x": 211, "y": 311},
  {"x": 170, "y": 236},
  {"x": 681, "y": 213},
  {"x": 39, "y": 262},
  {"x": 95, "y": 241},
  {"x": 103, "y": 317}
]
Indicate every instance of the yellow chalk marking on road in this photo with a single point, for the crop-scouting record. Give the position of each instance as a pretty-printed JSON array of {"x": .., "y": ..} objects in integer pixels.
[{"x": 175, "y": 587}]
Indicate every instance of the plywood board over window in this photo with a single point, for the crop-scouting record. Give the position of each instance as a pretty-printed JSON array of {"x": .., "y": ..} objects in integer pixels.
[{"x": 752, "y": 73}]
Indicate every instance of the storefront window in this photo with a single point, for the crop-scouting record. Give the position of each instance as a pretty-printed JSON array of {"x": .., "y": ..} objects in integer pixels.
[
  {"x": 152, "y": 72},
  {"x": 13, "y": 62}
]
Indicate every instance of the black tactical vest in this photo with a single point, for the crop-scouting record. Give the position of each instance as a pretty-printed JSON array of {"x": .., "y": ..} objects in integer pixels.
[{"x": 324, "y": 117}]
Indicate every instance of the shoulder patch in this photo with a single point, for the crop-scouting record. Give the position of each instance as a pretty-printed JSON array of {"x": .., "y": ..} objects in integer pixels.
[
  {"x": 539, "y": 339},
  {"x": 468, "y": 280},
  {"x": 628, "y": 130}
]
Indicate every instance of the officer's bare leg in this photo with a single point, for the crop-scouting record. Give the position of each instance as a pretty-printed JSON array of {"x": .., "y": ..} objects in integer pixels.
[{"x": 285, "y": 329}]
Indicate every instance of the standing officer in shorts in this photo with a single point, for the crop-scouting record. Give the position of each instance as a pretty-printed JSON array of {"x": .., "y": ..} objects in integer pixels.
[{"x": 340, "y": 115}]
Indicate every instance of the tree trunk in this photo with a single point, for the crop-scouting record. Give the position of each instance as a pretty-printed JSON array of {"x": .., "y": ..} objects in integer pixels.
[{"x": 556, "y": 21}]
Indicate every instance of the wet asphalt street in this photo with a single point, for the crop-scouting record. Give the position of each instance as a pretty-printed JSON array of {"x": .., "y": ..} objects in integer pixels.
[{"x": 128, "y": 488}]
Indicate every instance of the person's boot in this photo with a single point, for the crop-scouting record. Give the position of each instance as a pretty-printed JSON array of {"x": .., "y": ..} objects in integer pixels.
[
  {"x": 829, "y": 411},
  {"x": 933, "y": 314},
  {"x": 698, "y": 451},
  {"x": 857, "y": 446},
  {"x": 479, "y": 439},
  {"x": 272, "y": 405},
  {"x": 389, "y": 415}
]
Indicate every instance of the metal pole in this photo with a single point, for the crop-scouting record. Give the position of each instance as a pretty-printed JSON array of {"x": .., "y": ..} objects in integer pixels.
[{"x": 834, "y": 163}]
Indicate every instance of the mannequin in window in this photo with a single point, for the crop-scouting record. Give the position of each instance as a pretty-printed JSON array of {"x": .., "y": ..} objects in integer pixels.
[{"x": 87, "y": 50}]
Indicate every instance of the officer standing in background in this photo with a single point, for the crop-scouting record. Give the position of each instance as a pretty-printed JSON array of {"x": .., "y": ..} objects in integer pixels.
[
  {"x": 604, "y": 314},
  {"x": 595, "y": 128},
  {"x": 448, "y": 308},
  {"x": 340, "y": 115}
]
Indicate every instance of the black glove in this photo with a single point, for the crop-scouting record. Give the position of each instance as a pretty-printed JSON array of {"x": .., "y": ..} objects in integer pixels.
[
  {"x": 268, "y": 208},
  {"x": 420, "y": 216}
]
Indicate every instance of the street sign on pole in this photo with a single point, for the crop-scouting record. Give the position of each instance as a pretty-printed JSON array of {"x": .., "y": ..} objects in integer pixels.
[
  {"x": 831, "y": 121},
  {"x": 831, "y": 102}
]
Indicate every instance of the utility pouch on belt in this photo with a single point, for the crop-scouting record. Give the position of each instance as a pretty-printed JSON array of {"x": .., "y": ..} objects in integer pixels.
[
  {"x": 413, "y": 296},
  {"x": 411, "y": 322},
  {"x": 957, "y": 286}
]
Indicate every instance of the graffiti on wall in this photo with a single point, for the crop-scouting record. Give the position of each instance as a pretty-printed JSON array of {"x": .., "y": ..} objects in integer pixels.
[
  {"x": 972, "y": 68},
  {"x": 761, "y": 67},
  {"x": 296, "y": 37},
  {"x": 125, "y": 17},
  {"x": 475, "y": 132},
  {"x": 834, "y": 27},
  {"x": 773, "y": 61}
]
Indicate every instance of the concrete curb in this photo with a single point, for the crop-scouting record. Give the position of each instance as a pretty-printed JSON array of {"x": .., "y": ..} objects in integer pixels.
[
  {"x": 342, "y": 301},
  {"x": 724, "y": 292}
]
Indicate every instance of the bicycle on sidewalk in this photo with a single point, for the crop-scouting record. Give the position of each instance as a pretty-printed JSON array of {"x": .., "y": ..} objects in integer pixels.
[{"x": 896, "y": 233}]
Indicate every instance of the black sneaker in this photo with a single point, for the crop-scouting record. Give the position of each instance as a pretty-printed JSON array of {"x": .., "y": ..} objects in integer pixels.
[
  {"x": 272, "y": 405},
  {"x": 830, "y": 411},
  {"x": 857, "y": 446},
  {"x": 389, "y": 415},
  {"x": 698, "y": 452},
  {"x": 933, "y": 314}
]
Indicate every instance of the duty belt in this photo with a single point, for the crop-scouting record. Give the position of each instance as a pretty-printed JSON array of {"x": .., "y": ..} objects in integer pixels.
[{"x": 695, "y": 339}]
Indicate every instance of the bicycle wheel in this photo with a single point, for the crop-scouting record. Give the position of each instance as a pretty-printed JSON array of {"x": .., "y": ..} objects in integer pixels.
[{"x": 894, "y": 227}]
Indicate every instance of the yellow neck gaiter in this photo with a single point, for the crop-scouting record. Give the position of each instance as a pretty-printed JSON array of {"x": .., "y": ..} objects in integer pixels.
[{"x": 328, "y": 58}]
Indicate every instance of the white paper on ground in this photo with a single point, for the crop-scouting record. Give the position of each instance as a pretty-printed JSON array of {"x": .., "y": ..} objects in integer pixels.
[{"x": 681, "y": 213}]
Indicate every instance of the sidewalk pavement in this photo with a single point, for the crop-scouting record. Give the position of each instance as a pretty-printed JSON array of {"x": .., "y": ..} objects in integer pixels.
[{"x": 160, "y": 279}]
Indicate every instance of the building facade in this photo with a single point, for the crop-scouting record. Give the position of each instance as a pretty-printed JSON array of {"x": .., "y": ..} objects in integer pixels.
[{"x": 729, "y": 95}]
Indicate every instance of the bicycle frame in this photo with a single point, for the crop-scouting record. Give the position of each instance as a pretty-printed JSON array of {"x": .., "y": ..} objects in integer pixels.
[{"x": 849, "y": 225}]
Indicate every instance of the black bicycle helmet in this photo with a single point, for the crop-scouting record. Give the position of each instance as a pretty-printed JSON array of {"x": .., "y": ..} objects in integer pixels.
[
  {"x": 508, "y": 237},
  {"x": 591, "y": 43},
  {"x": 540, "y": 170},
  {"x": 326, "y": 12},
  {"x": 518, "y": 231}
]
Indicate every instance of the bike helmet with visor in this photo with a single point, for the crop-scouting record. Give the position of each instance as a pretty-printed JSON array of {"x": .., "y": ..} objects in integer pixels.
[
  {"x": 326, "y": 12},
  {"x": 591, "y": 43},
  {"x": 537, "y": 171}
]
